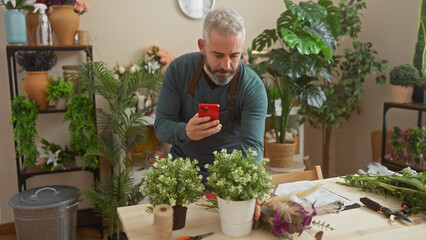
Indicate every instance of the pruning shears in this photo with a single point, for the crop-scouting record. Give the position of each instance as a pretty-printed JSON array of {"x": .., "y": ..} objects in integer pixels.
[
  {"x": 388, "y": 213},
  {"x": 197, "y": 237}
]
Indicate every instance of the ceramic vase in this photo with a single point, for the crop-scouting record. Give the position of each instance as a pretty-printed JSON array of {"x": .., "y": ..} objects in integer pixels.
[
  {"x": 35, "y": 85},
  {"x": 31, "y": 20},
  {"x": 401, "y": 94},
  {"x": 236, "y": 217},
  {"x": 179, "y": 217},
  {"x": 60, "y": 103},
  {"x": 14, "y": 27},
  {"x": 64, "y": 22}
]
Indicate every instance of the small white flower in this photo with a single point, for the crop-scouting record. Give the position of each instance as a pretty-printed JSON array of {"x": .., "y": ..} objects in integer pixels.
[
  {"x": 133, "y": 69},
  {"x": 115, "y": 76},
  {"x": 121, "y": 69}
]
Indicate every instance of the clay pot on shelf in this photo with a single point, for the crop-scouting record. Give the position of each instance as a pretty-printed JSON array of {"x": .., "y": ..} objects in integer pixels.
[{"x": 35, "y": 85}]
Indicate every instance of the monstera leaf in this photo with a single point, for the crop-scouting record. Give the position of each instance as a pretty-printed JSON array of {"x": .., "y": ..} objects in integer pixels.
[
  {"x": 294, "y": 65},
  {"x": 266, "y": 39},
  {"x": 333, "y": 16},
  {"x": 310, "y": 11}
]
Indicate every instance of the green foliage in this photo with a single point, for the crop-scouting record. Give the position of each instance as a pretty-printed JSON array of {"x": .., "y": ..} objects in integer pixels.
[
  {"x": 112, "y": 192},
  {"x": 173, "y": 182},
  {"x": 404, "y": 75},
  {"x": 235, "y": 177},
  {"x": 24, "y": 116},
  {"x": 416, "y": 138},
  {"x": 65, "y": 154},
  {"x": 58, "y": 89},
  {"x": 82, "y": 130},
  {"x": 422, "y": 82},
  {"x": 399, "y": 145},
  {"x": 120, "y": 129},
  {"x": 408, "y": 185},
  {"x": 348, "y": 72},
  {"x": 306, "y": 33},
  {"x": 32, "y": 61},
  {"x": 420, "y": 49}
]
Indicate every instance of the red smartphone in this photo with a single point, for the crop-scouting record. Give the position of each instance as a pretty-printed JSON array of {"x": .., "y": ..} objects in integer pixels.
[{"x": 209, "y": 109}]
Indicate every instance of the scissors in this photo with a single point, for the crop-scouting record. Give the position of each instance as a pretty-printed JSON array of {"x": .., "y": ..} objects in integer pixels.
[{"x": 197, "y": 237}]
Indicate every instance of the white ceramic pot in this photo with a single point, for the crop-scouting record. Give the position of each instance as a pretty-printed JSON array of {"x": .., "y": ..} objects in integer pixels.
[
  {"x": 60, "y": 104},
  {"x": 402, "y": 94},
  {"x": 236, "y": 217}
]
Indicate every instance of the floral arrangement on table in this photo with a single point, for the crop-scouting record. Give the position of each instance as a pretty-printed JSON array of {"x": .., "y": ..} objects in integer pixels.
[
  {"x": 17, "y": 4},
  {"x": 406, "y": 185},
  {"x": 53, "y": 156},
  {"x": 284, "y": 216},
  {"x": 174, "y": 182},
  {"x": 32, "y": 61},
  {"x": 80, "y": 6},
  {"x": 238, "y": 177},
  {"x": 156, "y": 59}
]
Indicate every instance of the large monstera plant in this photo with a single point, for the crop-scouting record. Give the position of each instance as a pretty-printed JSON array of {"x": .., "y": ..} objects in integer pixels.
[{"x": 305, "y": 35}]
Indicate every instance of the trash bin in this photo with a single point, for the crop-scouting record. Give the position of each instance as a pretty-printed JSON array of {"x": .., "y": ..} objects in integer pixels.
[{"x": 48, "y": 213}]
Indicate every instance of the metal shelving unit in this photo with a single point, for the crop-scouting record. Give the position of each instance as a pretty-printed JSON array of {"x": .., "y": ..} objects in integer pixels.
[{"x": 86, "y": 217}]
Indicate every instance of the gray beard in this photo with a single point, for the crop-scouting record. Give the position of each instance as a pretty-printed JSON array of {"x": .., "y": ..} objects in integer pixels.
[{"x": 219, "y": 79}]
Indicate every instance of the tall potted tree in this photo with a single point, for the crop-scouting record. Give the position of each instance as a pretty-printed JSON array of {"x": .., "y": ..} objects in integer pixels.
[
  {"x": 118, "y": 133},
  {"x": 349, "y": 71},
  {"x": 306, "y": 36}
]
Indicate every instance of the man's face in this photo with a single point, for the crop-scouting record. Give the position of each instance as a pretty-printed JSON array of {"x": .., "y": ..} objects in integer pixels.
[{"x": 222, "y": 56}]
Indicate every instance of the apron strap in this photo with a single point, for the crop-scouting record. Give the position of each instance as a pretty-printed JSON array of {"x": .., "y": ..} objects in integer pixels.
[
  {"x": 195, "y": 78},
  {"x": 233, "y": 90},
  {"x": 232, "y": 87}
]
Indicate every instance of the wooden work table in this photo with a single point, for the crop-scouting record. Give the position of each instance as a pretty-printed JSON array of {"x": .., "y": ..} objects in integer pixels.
[{"x": 358, "y": 223}]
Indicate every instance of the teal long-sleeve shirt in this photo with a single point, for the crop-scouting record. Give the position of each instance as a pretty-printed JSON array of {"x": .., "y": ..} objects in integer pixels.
[{"x": 251, "y": 103}]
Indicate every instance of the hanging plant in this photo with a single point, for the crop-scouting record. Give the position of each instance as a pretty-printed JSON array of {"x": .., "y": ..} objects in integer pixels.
[
  {"x": 24, "y": 116},
  {"x": 82, "y": 129}
]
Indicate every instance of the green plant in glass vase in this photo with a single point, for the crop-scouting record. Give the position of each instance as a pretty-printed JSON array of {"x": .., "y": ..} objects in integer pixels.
[
  {"x": 120, "y": 127},
  {"x": 306, "y": 36}
]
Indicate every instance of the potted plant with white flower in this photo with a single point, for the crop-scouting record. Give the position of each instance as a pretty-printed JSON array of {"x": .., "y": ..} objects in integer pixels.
[
  {"x": 238, "y": 180},
  {"x": 173, "y": 182}
]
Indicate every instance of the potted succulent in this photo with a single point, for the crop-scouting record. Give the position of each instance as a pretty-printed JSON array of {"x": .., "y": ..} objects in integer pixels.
[
  {"x": 59, "y": 91},
  {"x": 119, "y": 130},
  {"x": 238, "y": 180},
  {"x": 14, "y": 20},
  {"x": 173, "y": 182},
  {"x": 306, "y": 33},
  {"x": 24, "y": 116},
  {"x": 403, "y": 78},
  {"x": 37, "y": 64}
]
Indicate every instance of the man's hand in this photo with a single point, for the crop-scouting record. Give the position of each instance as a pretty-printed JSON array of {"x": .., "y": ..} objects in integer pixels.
[
  {"x": 200, "y": 127},
  {"x": 256, "y": 215}
]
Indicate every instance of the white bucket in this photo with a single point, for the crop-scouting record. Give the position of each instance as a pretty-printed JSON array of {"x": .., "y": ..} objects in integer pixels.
[{"x": 236, "y": 217}]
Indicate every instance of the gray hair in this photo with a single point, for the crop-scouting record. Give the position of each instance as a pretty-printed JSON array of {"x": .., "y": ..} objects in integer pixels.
[{"x": 227, "y": 21}]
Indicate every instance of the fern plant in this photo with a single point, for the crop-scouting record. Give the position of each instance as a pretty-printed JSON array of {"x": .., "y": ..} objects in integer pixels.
[
  {"x": 24, "y": 116},
  {"x": 120, "y": 127},
  {"x": 82, "y": 130}
]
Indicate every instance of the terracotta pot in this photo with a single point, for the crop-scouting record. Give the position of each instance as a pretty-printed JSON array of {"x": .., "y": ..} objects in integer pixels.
[
  {"x": 64, "y": 22},
  {"x": 31, "y": 20},
  {"x": 35, "y": 85},
  {"x": 280, "y": 154},
  {"x": 402, "y": 94}
]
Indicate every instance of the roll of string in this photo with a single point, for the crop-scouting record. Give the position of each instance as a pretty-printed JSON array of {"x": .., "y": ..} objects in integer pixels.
[{"x": 163, "y": 222}]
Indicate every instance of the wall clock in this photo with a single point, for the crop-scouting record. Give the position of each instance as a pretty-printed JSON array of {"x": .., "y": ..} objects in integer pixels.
[{"x": 196, "y": 8}]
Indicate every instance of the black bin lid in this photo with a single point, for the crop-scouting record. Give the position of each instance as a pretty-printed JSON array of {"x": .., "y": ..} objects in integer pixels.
[{"x": 44, "y": 197}]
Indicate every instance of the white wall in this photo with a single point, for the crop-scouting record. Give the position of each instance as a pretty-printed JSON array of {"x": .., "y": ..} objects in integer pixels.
[{"x": 122, "y": 30}]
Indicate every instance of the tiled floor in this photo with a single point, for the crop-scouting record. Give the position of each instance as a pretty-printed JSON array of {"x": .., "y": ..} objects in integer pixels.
[{"x": 82, "y": 234}]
